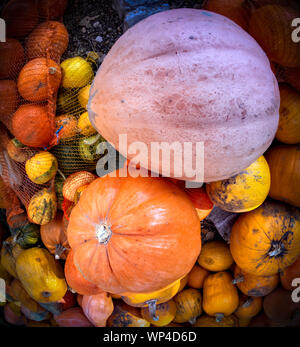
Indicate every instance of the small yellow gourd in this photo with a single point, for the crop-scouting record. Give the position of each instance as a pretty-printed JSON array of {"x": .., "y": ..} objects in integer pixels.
[
  {"x": 84, "y": 125},
  {"x": 41, "y": 168},
  {"x": 83, "y": 96}
]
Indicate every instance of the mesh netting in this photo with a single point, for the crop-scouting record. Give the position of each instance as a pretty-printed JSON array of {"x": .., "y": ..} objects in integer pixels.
[{"x": 45, "y": 133}]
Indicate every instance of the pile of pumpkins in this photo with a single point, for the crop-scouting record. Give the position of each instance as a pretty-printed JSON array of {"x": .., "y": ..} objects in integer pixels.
[{"x": 124, "y": 251}]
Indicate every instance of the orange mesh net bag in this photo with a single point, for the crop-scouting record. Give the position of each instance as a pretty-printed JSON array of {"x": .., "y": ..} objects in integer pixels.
[{"x": 45, "y": 133}]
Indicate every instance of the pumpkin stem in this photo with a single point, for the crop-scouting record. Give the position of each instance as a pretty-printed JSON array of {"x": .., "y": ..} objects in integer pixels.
[
  {"x": 238, "y": 279},
  {"x": 71, "y": 290},
  {"x": 152, "y": 309},
  {"x": 15, "y": 238},
  {"x": 247, "y": 303},
  {"x": 192, "y": 321},
  {"x": 219, "y": 317},
  {"x": 59, "y": 250},
  {"x": 277, "y": 248},
  {"x": 103, "y": 233},
  {"x": 52, "y": 70}
]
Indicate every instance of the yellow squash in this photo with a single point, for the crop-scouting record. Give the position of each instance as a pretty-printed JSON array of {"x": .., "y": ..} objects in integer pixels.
[
  {"x": 41, "y": 168},
  {"x": 84, "y": 125},
  {"x": 244, "y": 191},
  {"x": 83, "y": 96},
  {"x": 77, "y": 72},
  {"x": 41, "y": 275}
]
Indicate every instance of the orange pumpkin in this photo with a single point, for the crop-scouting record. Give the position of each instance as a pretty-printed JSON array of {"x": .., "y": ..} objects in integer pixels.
[
  {"x": 39, "y": 80},
  {"x": 197, "y": 276},
  {"x": 20, "y": 17},
  {"x": 76, "y": 280},
  {"x": 165, "y": 313},
  {"x": 97, "y": 308},
  {"x": 189, "y": 305},
  {"x": 289, "y": 121},
  {"x": 11, "y": 58},
  {"x": 265, "y": 241},
  {"x": 8, "y": 99},
  {"x": 271, "y": 27},
  {"x": 48, "y": 39},
  {"x": 73, "y": 317},
  {"x": 284, "y": 163},
  {"x": 289, "y": 274},
  {"x": 17, "y": 151},
  {"x": 66, "y": 126},
  {"x": 235, "y": 10},
  {"x": 220, "y": 296},
  {"x": 206, "y": 321},
  {"x": 126, "y": 316},
  {"x": 112, "y": 225},
  {"x": 31, "y": 125},
  {"x": 247, "y": 309},
  {"x": 201, "y": 201},
  {"x": 252, "y": 285},
  {"x": 52, "y": 9},
  {"x": 54, "y": 237}
]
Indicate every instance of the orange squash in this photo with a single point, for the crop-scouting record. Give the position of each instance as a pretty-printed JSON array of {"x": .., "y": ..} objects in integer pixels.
[
  {"x": 289, "y": 274},
  {"x": 31, "y": 125},
  {"x": 73, "y": 317},
  {"x": 66, "y": 126},
  {"x": 53, "y": 235},
  {"x": 75, "y": 181},
  {"x": 247, "y": 309},
  {"x": 215, "y": 256},
  {"x": 235, "y": 10},
  {"x": 206, "y": 321},
  {"x": 284, "y": 163},
  {"x": 220, "y": 296},
  {"x": 113, "y": 224},
  {"x": 52, "y": 9},
  {"x": 76, "y": 280},
  {"x": 8, "y": 99},
  {"x": 188, "y": 305},
  {"x": 165, "y": 313},
  {"x": 271, "y": 27},
  {"x": 289, "y": 121},
  {"x": 39, "y": 80},
  {"x": 252, "y": 285},
  {"x": 265, "y": 241},
  {"x": 48, "y": 39},
  {"x": 11, "y": 58},
  {"x": 126, "y": 316},
  {"x": 197, "y": 276},
  {"x": 97, "y": 308}
]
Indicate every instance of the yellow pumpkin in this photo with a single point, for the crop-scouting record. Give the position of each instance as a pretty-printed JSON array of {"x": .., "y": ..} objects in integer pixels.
[
  {"x": 42, "y": 206},
  {"x": 126, "y": 316},
  {"x": 152, "y": 299},
  {"x": 188, "y": 305},
  {"x": 244, "y": 191},
  {"x": 77, "y": 72},
  {"x": 183, "y": 282},
  {"x": 84, "y": 125},
  {"x": 247, "y": 309},
  {"x": 215, "y": 256},
  {"x": 83, "y": 96},
  {"x": 9, "y": 253},
  {"x": 165, "y": 313},
  {"x": 208, "y": 321},
  {"x": 41, "y": 168},
  {"x": 41, "y": 275},
  {"x": 289, "y": 121},
  {"x": 220, "y": 296}
]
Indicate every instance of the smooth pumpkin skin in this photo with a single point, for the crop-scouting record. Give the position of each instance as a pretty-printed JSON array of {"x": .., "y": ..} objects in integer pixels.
[
  {"x": 48, "y": 39},
  {"x": 244, "y": 191},
  {"x": 11, "y": 58},
  {"x": 227, "y": 98},
  {"x": 98, "y": 308},
  {"x": 31, "y": 125},
  {"x": 265, "y": 241},
  {"x": 215, "y": 256},
  {"x": 220, "y": 296},
  {"x": 9, "y": 99},
  {"x": 84, "y": 125},
  {"x": 289, "y": 121},
  {"x": 208, "y": 321},
  {"x": 183, "y": 283},
  {"x": 73, "y": 317},
  {"x": 39, "y": 80},
  {"x": 289, "y": 274},
  {"x": 66, "y": 126},
  {"x": 75, "y": 279},
  {"x": 41, "y": 275},
  {"x": 254, "y": 286},
  {"x": 77, "y": 72},
  {"x": 284, "y": 163},
  {"x": 42, "y": 167},
  {"x": 120, "y": 211},
  {"x": 53, "y": 235},
  {"x": 189, "y": 305},
  {"x": 247, "y": 309},
  {"x": 271, "y": 27},
  {"x": 42, "y": 206},
  {"x": 197, "y": 276},
  {"x": 126, "y": 316},
  {"x": 165, "y": 313}
]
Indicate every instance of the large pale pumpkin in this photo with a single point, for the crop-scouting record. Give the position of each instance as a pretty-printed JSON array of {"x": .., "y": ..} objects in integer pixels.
[
  {"x": 188, "y": 75},
  {"x": 265, "y": 241},
  {"x": 134, "y": 234}
]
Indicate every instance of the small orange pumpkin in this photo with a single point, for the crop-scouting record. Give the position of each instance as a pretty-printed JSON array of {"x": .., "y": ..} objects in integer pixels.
[
  {"x": 17, "y": 151},
  {"x": 39, "y": 80},
  {"x": 126, "y": 316},
  {"x": 247, "y": 309},
  {"x": 197, "y": 276},
  {"x": 188, "y": 305},
  {"x": 53, "y": 235},
  {"x": 206, "y": 321}
]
